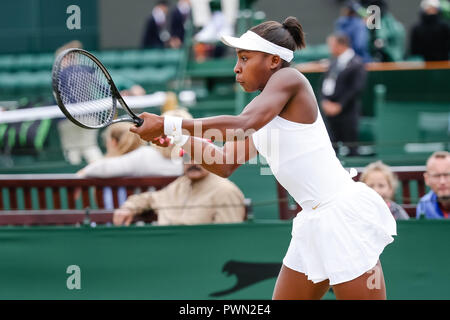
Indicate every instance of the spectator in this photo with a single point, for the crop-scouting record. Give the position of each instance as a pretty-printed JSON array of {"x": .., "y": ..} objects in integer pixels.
[
  {"x": 156, "y": 34},
  {"x": 430, "y": 38},
  {"x": 436, "y": 203},
  {"x": 386, "y": 43},
  {"x": 127, "y": 155},
  {"x": 379, "y": 177},
  {"x": 197, "y": 197},
  {"x": 207, "y": 40},
  {"x": 341, "y": 87},
  {"x": 178, "y": 18},
  {"x": 351, "y": 24}
]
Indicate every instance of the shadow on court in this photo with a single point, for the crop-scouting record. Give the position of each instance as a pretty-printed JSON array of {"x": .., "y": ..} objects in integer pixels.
[{"x": 250, "y": 273}]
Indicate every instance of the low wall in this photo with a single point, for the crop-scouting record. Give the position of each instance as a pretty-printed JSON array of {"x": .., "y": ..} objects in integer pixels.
[{"x": 237, "y": 261}]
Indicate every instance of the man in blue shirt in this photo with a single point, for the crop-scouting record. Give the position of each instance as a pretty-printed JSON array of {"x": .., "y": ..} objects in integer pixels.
[
  {"x": 436, "y": 203},
  {"x": 352, "y": 24}
]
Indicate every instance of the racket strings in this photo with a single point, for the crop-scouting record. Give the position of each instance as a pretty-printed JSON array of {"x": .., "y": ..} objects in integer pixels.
[{"x": 85, "y": 90}]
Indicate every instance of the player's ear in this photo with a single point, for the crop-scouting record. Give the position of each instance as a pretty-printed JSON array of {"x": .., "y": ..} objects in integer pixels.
[{"x": 275, "y": 62}]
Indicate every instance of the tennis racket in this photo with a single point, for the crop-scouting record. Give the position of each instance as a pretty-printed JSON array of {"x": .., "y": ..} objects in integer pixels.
[{"x": 85, "y": 91}]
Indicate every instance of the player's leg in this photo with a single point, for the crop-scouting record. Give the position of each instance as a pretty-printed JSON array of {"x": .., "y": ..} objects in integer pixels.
[
  {"x": 294, "y": 285},
  {"x": 369, "y": 286}
]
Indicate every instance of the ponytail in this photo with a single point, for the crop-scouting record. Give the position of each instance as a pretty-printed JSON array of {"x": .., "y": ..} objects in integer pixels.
[
  {"x": 295, "y": 29},
  {"x": 288, "y": 34}
]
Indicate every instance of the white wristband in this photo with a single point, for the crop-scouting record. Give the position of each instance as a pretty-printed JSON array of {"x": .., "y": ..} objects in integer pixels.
[{"x": 172, "y": 126}]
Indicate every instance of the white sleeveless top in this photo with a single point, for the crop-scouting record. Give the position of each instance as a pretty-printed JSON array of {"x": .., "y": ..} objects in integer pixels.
[{"x": 302, "y": 159}]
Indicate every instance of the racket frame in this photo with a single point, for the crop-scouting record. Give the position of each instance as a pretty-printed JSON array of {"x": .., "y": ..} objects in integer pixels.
[{"x": 115, "y": 92}]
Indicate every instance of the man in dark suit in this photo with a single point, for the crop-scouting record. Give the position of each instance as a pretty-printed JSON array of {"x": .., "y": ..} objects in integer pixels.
[
  {"x": 155, "y": 33},
  {"x": 340, "y": 92},
  {"x": 178, "y": 17}
]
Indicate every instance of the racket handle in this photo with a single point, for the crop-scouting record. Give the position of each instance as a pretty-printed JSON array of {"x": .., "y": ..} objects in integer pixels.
[{"x": 138, "y": 122}]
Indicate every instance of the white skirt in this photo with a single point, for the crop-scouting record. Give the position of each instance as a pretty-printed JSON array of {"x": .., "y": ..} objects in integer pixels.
[{"x": 342, "y": 238}]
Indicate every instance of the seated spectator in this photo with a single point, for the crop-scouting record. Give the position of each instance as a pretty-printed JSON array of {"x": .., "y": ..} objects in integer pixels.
[
  {"x": 197, "y": 197},
  {"x": 127, "y": 155},
  {"x": 430, "y": 37},
  {"x": 436, "y": 203},
  {"x": 379, "y": 177},
  {"x": 354, "y": 26}
]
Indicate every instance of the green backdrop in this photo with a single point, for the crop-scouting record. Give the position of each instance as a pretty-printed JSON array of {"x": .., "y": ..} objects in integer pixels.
[
  {"x": 30, "y": 26},
  {"x": 187, "y": 262}
]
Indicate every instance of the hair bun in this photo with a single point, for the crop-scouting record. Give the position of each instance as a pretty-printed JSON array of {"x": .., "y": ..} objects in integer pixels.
[{"x": 292, "y": 25}]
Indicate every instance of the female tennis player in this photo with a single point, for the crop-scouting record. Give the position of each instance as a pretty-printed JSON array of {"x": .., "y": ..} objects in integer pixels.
[{"x": 344, "y": 226}]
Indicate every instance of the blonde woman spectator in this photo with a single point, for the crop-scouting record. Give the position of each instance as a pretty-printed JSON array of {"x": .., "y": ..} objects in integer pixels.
[
  {"x": 379, "y": 177},
  {"x": 128, "y": 155}
]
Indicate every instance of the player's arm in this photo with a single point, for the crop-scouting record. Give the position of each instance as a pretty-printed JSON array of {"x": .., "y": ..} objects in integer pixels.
[
  {"x": 280, "y": 88},
  {"x": 222, "y": 161}
]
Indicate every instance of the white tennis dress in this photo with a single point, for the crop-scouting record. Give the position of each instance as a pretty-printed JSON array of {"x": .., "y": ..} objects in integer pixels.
[{"x": 344, "y": 225}]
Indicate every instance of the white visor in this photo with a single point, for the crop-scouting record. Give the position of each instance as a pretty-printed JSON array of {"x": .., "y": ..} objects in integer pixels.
[{"x": 253, "y": 42}]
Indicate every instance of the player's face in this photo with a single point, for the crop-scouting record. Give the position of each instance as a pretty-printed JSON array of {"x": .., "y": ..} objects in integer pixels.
[
  {"x": 253, "y": 69},
  {"x": 437, "y": 176},
  {"x": 378, "y": 181}
]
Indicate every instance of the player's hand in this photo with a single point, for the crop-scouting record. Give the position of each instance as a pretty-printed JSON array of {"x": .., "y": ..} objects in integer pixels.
[
  {"x": 122, "y": 217},
  {"x": 152, "y": 127},
  {"x": 162, "y": 141}
]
